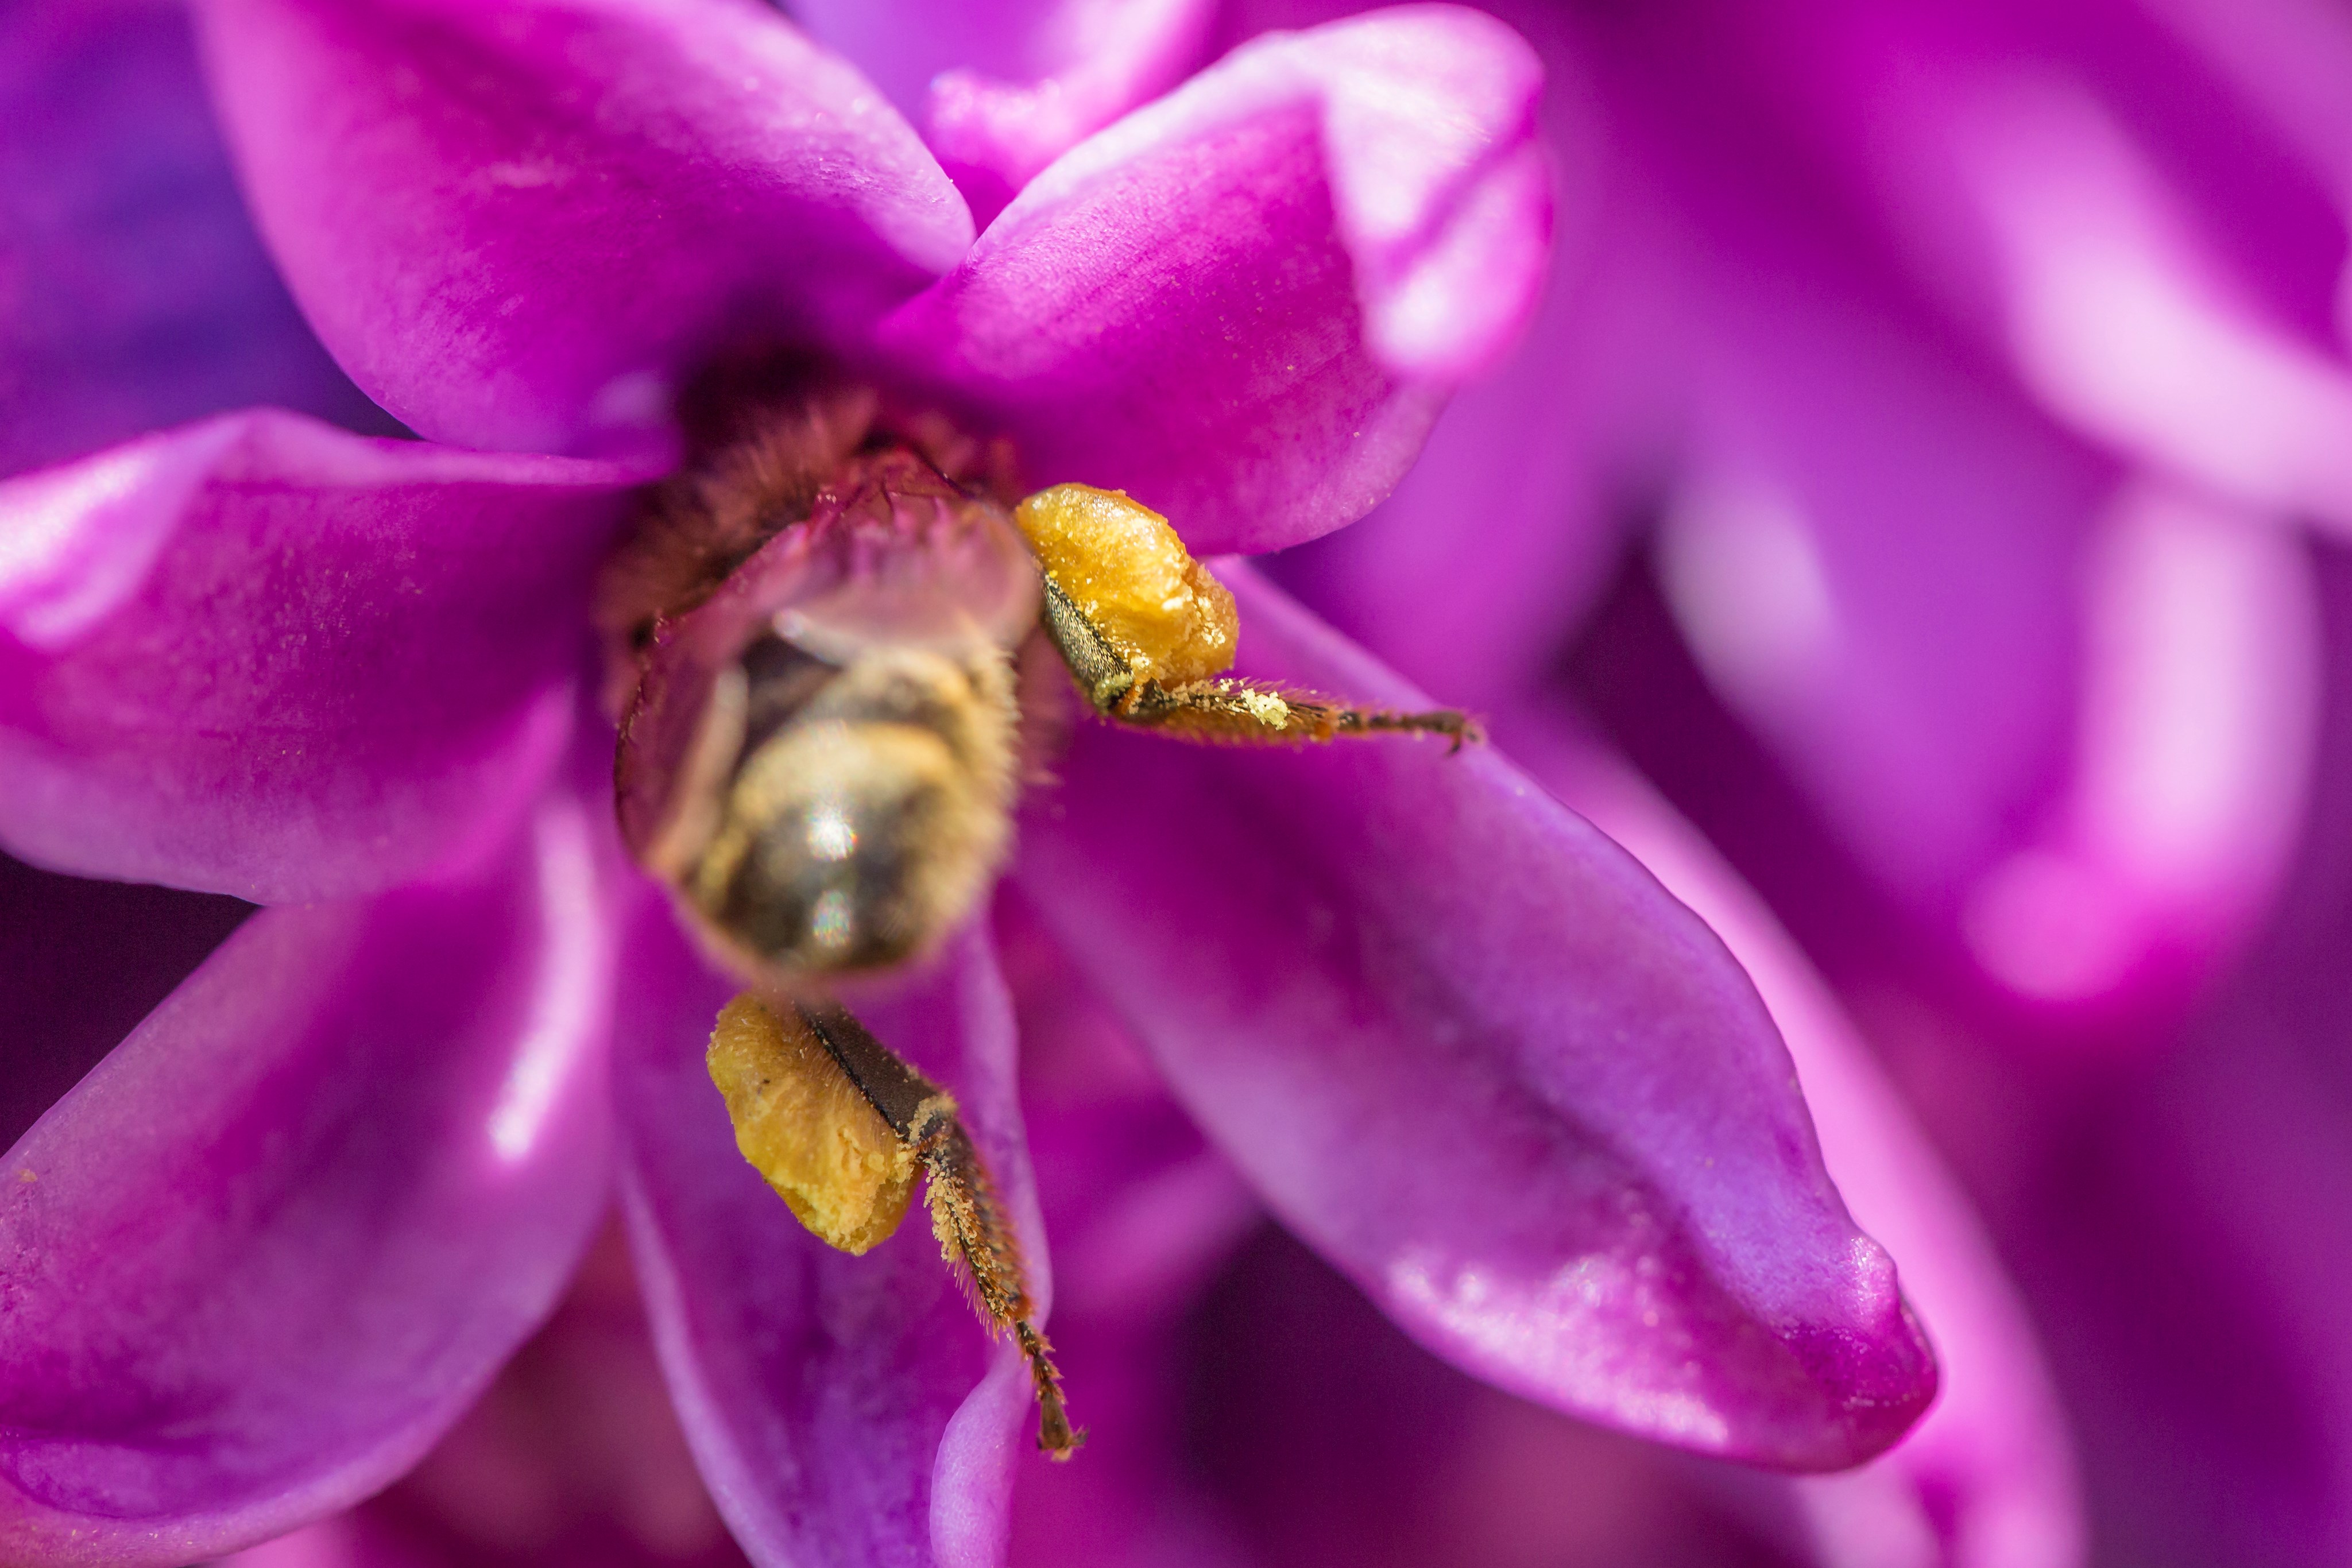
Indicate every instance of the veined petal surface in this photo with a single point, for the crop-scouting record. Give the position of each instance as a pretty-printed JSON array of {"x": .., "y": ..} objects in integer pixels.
[
  {"x": 1245, "y": 302},
  {"x": 844, "y": 1409},
  {"x": 1473, "y": 1053},
  {"x": 260, "y": 656},
  {"x": 257, "y": 1261},
  {"x": 517, "y": 225}
]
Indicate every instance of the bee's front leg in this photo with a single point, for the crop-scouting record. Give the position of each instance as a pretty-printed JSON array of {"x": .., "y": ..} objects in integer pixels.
[{"x": 1120, "y": 685}]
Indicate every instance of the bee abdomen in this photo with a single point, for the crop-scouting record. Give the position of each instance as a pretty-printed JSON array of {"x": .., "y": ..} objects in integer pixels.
[{"x": 869, "y": 822}]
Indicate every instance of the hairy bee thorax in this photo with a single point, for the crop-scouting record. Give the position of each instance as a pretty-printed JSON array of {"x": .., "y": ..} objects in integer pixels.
[
  {"x": 814, "y": 628},
  {"x": 812, "y": 632}
]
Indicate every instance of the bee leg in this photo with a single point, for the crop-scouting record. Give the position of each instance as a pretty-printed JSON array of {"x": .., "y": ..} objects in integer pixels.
[
  {"x": 813, "y": 1077},
  {"x": 977, "y": 1242},
  {"x": 1237, "y": 712},
  {"x": 1226, "y": 710}
]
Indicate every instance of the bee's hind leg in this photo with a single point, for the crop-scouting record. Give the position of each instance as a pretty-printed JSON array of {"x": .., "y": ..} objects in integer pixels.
[
  {"x": 1224, "y": 709},
  {"x": 804, "y": 1081}
]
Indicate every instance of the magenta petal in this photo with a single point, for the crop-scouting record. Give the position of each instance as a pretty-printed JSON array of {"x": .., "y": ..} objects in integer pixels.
[
  {"x": 257, "y": 1261},
  {"x": 517, "y": 224},
  {"x": 1002, "y": 89},
  {"x": 843, "y": 1409},
  {"x": 1987, "y": 1475},
  {"x": 260, "y": 656},
  {"x": 1243, "y": 303},
  {"x": 136, "y": 293},
  {"x": 1539, "y": 457},
  {"x": 2065, "y": 719},
  {"x": 906, "y": 46},
  {"x": 1143, "y": 1214},
  {"x": 1472, "y": 1052},
  {"x": 996, "y": 135},
  {"x": 2159, "y": 300}
]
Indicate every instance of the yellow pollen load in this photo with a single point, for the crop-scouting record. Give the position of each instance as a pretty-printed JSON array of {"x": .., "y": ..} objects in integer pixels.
[
  {"x": 805, "y": 1127},
  {"x": 1121, "y": 564}
]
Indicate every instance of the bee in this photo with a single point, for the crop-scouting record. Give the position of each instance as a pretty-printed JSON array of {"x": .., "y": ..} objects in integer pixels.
[{"x": 816, "y": 628}]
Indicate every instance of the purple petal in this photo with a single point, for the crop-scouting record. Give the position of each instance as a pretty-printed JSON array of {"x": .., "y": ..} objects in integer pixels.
[
  {"x": 1538, "y": 457},
  {"x": 571, "y": 1459},
  {"x": 1474, "y": 1054},
  {"x": 258, "y": 1260},
  {"x": 133, "y": 291},
  {"x": 260, "y": 656},
  {"x": 1986, "y": 1478},
  {"x": 517, "y": 226},
  {"x": 2112, "y": 314},
  {"x": 1244, "y": 303},
  {"x": 2193, "y": 752},
  {"x": 2065, "y": 719},
  {"x": 1919, "y": 677},
  {"x": 1344, "y": 1444},
  {"x": 1141, "y": 1207},
  {"x": 995, "y": 136},
  {"x": 2068, "y": 724},
  {"x": 1004, "y": 89},
  {"x": 904, "y": 47},
  {"x": 2156, "y": 271},
  {"x": 843, "y": 1409}
]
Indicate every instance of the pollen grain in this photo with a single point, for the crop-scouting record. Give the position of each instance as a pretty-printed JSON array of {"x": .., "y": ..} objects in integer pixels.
[
  {"x": 1123, "y": 566},
  {"x": 840, "y": 1168}
]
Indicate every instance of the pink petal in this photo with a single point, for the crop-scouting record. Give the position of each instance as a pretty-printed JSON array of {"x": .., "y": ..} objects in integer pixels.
[
  {"x": 260, "y": 656},
  {"x": 517, "y": 226},
  {"x": 843, "y": 1409},
  {"x": 258, "y": 1260},
  {"x": 1473, "y": 1053},
  {"x": 1244, "y": 303},
  {"x": 136, "y": 293}
]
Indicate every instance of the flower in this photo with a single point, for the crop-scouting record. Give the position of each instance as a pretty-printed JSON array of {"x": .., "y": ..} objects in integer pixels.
[
  {"x": 1929, "y": 472},
  {"x": 272, "y": 1246}
]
